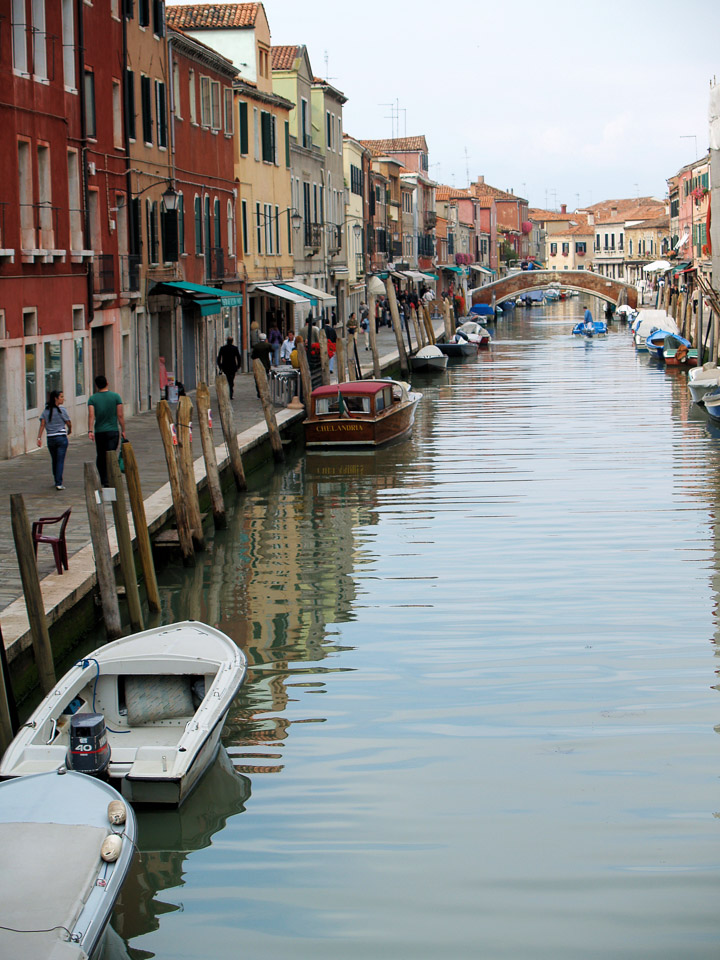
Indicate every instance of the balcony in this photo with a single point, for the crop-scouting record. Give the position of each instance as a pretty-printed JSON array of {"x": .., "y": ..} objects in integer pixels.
[
  {"x": 130, "y": 272},
  {"x": 313, "y": 236},
  {"x": 103, "y": 275}
]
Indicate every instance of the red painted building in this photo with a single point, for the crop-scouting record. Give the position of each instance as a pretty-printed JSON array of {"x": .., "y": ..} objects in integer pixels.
[{"x": 43, "y": 236}]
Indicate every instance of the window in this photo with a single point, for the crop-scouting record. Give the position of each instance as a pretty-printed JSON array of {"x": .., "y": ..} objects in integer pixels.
[
  {"x": 243, "y": 123},
  {"x": 146, "y": 102},
  {"x": 268, "y": 221},
  {"x": 339, "y": 135},
  {"x": 621, "y": 241},
  {"x": 230, "y": 213},
  {"x": 228, "y": 95},
  {"x": 580, "y": 248},
  {"x": 328, "y": 129},
  {"x": 256, "y": 130},
  {"x": 144, "y": 12},
  {"x": 53, "y": 366},
  {"x": 304, "y": 121},
  {"x": 244, "y": 226},
  {"x": 130, "y": 103},
  {"x": 565, "y": 249},
  {"x": 215, "y": 102},
  {"x": 198, "y": 226},
  {"x": 277, "y": 230},
  {"x": 181, "y": 224},
  {"x": 289, "y": 232},
  {"x": 176, "y": 90},
  {"x": 30, "y": 375},
  {"x": 191, "y": 91},
  {"x": 78, "y": 315},
  {"x": 151, "y": 208},
  {"x": 553, "y": 249},
  {"x": 161, "y": 112},
  {"x": 117, "y": 114},
  {"x": 76, "y": 234},
  {"x": 68, "y": 40},
  {"x": 90, "y": 124},
  {"x": 205, "y": 112},
  {"x": 39, "y": 40},
  {"x": 218, "y": 225},
  {"x": 19, "y": 36},
  {"x": 47, "y": 234},
  {"x": 258, "y": 227},
  {"x": 356, "y": 181},
  {"x": 158, "y": 18},
  {"x": 79, "y": 366},
  {"x": 169, "y": 230},
  {"x": 267, "y": 128},
  {"x": 287, "y": 144},
  {"x": 27, "y": 219}
]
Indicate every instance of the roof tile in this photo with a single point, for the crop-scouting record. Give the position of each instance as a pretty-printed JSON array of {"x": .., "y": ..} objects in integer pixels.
[
  {"x": 206, "y": 16},
  {"x": 284, "y": 57},
  {"x": 396, "y": 145}
]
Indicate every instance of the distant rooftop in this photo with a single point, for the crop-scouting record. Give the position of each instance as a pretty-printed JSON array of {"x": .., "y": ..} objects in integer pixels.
[
  {"x": 396, "y": 145},
  {"x": 207, "y": 16},
  {"x": 283, "y": 57}
]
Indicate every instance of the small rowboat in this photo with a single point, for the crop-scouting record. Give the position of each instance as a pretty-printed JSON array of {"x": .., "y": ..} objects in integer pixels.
[
  {"x": 146, "y": 710},
  {"x": 428, "y": 359},
  {"x": 360, "y": 413}
]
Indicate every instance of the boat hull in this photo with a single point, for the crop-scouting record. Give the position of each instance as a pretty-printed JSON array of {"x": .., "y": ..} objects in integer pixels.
[
  {"x": 349, "y": 431},
  {"x": 464, "y": 349},
  {"x": 423, "y": 364}
]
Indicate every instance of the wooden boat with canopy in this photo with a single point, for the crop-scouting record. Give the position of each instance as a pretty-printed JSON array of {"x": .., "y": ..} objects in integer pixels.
[{"x": 360, "y": 413}]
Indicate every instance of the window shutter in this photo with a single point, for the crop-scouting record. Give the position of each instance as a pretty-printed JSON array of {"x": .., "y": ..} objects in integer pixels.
[
  {"x": 243, "y": 118},
  {"x": 130, "y": 104},
  {"x": 266, "y": 135},
  {"x": 161, "y": 105},
  {"x": 135, "y": 232},
  {"x": 198, "y": 226},
  {"x": 146, "y": 96},
  {"x": 158, "y": 18},
  {"x": 169, "y": 227},
  {"x": 273, "y": 135},
  {"x": 287, "y": 144}
]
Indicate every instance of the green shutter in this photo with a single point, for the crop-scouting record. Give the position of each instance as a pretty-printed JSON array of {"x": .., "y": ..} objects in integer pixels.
[
  {"x": 243, "y": 117},
  {"x": 287, "y": 143}
]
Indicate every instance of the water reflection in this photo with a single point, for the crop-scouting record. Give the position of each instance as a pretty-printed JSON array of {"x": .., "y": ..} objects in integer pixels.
[{"x": 477, "y": 719}]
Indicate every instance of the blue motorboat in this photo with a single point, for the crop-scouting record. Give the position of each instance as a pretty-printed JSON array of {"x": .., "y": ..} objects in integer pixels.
[
  {"x": 599, "y": 329},
  {"x": 661, "y": 341},
  {"x": 482, "y": 310}
]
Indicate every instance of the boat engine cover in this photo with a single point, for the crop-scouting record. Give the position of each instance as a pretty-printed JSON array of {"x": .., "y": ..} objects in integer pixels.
[{"x": 89, "y": 748}]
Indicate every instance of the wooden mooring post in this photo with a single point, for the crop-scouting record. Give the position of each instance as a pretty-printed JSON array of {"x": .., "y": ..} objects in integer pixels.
[
  {"x": 377, "y": 372},
  {"x": 33, "y": 595},
  {"x": 341, "y": 360},
  {"x": 9, "y": 722},
  {"x": 202, "y": 399},
  {"x": 261, "y": 381},
  {"x": 122, "y": 531},
  {"x": 101, "y": 550},
  {"x": 304, "y": 373},
  {"x": 324, "y": 358},
  {"x": 228, "y": 428},
  {"x": 187, "y": 471},
  {"x": 165, "y": 423},
  {"x": 142, "y": 534},
  {"x": 395, "y": 316}
]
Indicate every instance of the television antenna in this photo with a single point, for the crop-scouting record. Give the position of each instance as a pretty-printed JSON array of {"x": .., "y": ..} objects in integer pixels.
[{"x": 327, "y": 67}]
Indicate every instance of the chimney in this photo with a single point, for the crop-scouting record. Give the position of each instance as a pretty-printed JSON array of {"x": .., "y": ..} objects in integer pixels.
[
  {"x": 563, "y": 208},
  {"x": 481, "y": 181},
  {"x": 613, "y": 211}
]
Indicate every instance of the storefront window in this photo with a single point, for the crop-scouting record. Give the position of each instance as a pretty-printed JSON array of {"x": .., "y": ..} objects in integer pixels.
[
  {"x": 30, "y": 376},
  {"x": 53, "y": 366},
  {"x": 79, "y": 367}
]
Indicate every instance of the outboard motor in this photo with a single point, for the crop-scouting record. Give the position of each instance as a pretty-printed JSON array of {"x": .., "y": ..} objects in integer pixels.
[{"x": 89, "y": 749}]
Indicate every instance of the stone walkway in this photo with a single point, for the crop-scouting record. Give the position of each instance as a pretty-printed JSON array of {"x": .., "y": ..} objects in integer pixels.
[{"x": 30, "y": 475}]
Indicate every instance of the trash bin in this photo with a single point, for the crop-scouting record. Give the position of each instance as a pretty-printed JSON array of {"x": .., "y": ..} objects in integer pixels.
[{"x": 284, "y": 385}]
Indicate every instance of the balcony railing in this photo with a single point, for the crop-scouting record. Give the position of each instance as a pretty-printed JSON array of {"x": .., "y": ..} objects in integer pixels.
[
  {"x": 103, "y": 273},
  {"x": 130, "y": 272},
  {"x": 313, "y": 235}
]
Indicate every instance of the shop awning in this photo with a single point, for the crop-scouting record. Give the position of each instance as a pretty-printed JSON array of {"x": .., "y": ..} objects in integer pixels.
[
  {"x": 271, "y": 290},
  {"x": 680, "y": 267},
  {"x": 318, "y": 298},
  {"x": 209, "y": 299},
  {"x": 481, "y": 269},
  {"x": 398, "y": 276},
  {"x": 416, "y": 275},
  {"x": 451, "y": 269}
]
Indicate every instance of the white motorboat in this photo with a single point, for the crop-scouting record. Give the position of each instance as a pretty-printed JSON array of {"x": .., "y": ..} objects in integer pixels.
[
  {"x": 647, "y": 323},
  {"x": 428, "y": 358},
  {"x": 147, "y": 709},
  {"x": 475, "y": 332},
  {"x": 702, "y": 380},
  {"x": 66, "y": 844}
]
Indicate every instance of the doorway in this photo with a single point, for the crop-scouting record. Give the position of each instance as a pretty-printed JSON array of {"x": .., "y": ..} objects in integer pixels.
[{"x": 98, "y": 352}]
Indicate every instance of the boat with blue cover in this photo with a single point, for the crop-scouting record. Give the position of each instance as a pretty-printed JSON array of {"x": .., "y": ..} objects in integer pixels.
[{"x": 599, "y": 329}]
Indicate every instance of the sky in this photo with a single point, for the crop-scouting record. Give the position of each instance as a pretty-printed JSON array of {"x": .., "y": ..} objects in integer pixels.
[{"x": 563, "y": 102}]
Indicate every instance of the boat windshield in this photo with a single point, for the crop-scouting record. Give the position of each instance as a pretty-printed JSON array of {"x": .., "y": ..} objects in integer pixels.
[{"x": 331, "y": 405}]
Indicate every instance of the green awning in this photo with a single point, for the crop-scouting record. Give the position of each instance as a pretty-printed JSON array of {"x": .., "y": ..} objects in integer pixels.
[
  {"x": 209, "y": 299},
  {"x": 451, "y": 269},
  {"x": 679, "y": 267}
]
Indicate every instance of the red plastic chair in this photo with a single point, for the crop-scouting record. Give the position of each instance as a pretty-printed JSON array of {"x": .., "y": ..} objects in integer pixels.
[{"x": 59, "y": 547}]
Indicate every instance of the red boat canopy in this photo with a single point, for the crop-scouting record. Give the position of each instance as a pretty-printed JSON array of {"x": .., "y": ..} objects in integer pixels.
[{"x": 354, "y": 387}]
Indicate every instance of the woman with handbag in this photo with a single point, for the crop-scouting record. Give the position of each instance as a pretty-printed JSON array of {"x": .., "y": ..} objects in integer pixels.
[{"x": 55, "y": 421}]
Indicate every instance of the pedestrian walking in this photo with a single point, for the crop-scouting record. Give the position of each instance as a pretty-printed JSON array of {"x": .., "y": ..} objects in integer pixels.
[
  {"x": 55, "y": 422},
  {"x": 106, "y": 422},
  {"x": 229, "y": 362},
  {"x": 275, "y": 339},
  {"x": 286, "y": 348}
]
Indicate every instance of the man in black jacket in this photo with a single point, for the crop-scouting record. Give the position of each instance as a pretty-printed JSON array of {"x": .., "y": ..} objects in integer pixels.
[{"x": 229, "y": 362}]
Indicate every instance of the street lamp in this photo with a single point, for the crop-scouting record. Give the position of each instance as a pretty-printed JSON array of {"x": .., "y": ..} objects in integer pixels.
[{"x": 170, "y": 198}]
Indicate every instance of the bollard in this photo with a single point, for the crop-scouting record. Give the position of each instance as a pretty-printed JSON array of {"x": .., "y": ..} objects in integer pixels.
[
  {"x": 164, "y": 418},
  {"x": 202, "y": 398},
  {"x": 228, "y": 428},
  {"x": 187, "y": 471},
  {"x": 122, "y": 531},
  {"x": 264, "y": 390}
]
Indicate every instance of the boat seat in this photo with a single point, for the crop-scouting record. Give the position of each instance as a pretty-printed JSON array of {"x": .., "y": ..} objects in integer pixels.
[{"x": 152, "y": 698}]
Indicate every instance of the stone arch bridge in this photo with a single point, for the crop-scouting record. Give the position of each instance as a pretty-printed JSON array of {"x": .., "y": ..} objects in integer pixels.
[{"x": 584, "y": 281}]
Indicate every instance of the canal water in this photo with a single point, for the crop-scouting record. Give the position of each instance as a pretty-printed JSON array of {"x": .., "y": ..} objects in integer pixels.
[{"x": 480, "y": 715}]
